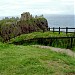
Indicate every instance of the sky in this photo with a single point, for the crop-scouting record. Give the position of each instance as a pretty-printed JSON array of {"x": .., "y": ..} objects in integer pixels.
[{"x": 16, "y": 7}]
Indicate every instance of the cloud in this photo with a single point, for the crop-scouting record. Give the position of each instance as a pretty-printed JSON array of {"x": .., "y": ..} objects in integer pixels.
[{"x": 16, "y": 7}]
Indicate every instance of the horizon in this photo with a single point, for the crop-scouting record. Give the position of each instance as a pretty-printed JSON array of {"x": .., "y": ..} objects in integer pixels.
[
  {"x": 39, "y": 15},
  {"x": 45, "y": 15}
]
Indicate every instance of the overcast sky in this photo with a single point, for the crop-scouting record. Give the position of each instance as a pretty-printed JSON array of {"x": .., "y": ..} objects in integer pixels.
[{"x": 16, "y": 7}]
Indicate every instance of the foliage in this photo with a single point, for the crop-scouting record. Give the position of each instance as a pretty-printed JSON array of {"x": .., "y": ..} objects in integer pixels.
[
  {"x": 1, "y": 39},
  {"x": 39, "y": 38},
  {"x": 27, "y": 36},
  {"x": 12, "y": 27},
  {"x": 37, "y": 35}
]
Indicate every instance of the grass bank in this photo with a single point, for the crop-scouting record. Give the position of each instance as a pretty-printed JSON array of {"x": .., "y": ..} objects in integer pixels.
[
  {"x": 29, "y": 60},
  {"x": 37, "y": 35},
  {"x": 33, "y": 38}
]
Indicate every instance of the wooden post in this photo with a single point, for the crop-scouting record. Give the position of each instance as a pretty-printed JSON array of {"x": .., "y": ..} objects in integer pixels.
[
  {"x": 40, "y": 41},
  {"x": 59, "y": 30},
  {"x": 49, "y": 28},
  {"x": 71, "y": 41},
  {"x": 53, "y": 29},
  {"x": 66, "y": 30},
  {"x": 51, "y": 42}
]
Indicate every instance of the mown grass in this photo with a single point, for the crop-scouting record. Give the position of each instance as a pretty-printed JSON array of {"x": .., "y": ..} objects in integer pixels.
[{"x": 29, "y": 60}]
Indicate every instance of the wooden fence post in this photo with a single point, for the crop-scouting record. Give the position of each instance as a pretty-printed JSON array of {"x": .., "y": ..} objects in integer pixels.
[
  {"x": 53, "y": 29},
  {"x": 71, "y": 41},
  {"x": 49, "y": 28},
  {"x": 66, "y": 30},
  {"x": 59, "y": 30}
]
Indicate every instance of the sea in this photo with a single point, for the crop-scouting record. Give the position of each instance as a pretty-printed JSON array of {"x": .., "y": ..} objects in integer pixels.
[
  {"x": 61, "y": 21},
  {"x": 56, "y": 20}
]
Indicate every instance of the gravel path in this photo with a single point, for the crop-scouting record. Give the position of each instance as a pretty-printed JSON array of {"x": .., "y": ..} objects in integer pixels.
[{"x": 67, "y": 51}]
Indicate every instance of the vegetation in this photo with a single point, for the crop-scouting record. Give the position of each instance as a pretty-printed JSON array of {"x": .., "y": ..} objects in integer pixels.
[
  {"x": 37, "y": 35},
  {"x": 12, "y": 27},
  {"x": 23, "y": 58},
  {"x": 38, "y": 38},
  {"x": 29, "y": 60}
]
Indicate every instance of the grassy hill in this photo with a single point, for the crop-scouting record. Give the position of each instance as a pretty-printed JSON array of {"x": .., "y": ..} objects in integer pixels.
[
  {"x": 33, "y": 38},
  {"x": 37, "y": 35},
  {"x": 29, "y": 60}
]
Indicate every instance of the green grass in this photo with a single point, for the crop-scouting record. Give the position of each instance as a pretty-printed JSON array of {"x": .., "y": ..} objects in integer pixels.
[
  {"x": 25, "y": 39},
  {"x": 37, "y": 35},
  {"x": 29, "y": 60}
]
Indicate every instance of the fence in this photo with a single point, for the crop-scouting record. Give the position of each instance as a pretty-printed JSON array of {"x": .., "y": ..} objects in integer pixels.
[
  {"x": 49, "y": 41},
  {"x": 59, "y": 29},
  {"x": 41, "y": 40}
]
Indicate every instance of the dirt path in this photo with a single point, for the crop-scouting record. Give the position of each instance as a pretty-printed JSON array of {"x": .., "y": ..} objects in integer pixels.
[{"x": 67, "y": 51}]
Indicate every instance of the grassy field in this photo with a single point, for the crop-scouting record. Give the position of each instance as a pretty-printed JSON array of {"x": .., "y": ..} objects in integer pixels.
[{"x": 29, "y": 60}]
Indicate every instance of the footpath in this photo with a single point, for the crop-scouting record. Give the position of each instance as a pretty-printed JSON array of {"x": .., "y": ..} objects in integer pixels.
[{"x": 66, "y": 51}]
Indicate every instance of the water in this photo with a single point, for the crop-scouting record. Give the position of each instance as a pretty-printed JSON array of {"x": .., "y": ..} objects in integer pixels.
[{"x": 61, "y": 21}]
